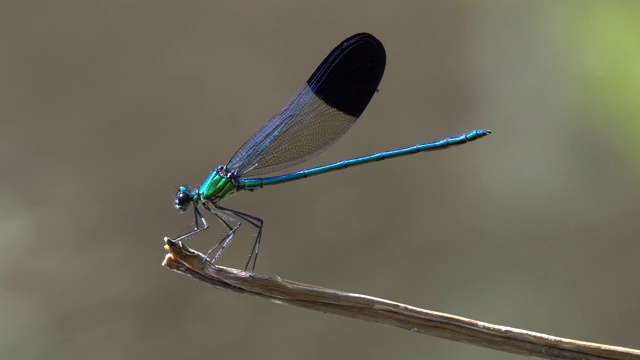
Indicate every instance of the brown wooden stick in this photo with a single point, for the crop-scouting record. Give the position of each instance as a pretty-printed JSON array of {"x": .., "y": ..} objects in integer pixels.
[{"x": 522, "y": 342}]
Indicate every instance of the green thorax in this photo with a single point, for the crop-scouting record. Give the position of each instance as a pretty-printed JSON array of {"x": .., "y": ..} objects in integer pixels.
[{"x": 217, "y": 185}]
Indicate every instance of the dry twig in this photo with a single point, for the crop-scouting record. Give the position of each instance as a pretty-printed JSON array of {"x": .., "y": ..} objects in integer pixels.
[{"x": 186, "y": 261}]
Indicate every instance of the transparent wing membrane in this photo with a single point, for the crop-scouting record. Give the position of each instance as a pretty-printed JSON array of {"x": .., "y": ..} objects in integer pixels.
[{"x": 324, "y": 108}]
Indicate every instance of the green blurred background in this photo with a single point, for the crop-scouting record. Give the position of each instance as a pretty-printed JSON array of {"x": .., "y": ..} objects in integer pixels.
[{"x": 108, "y": 106}]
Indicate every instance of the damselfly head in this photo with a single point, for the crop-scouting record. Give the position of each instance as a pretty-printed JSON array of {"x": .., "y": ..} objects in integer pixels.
[{"x": 183, "y": 198}]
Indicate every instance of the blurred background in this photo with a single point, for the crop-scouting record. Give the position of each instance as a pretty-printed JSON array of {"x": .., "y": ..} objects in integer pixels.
[{"x": 108, "y": 106}]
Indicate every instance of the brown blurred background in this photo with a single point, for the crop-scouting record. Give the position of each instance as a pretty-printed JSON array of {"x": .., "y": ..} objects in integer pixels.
[{"x": 106, "y": 107}]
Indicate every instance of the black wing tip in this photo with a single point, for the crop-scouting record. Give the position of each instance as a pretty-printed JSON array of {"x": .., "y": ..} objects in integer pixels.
[
  {"x": 363, "y": 36},
  {"x": 349, "y": 76}
]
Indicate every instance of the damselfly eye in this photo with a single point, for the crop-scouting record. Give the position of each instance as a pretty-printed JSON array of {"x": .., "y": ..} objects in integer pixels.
[{"x": 183, "y": 199}]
